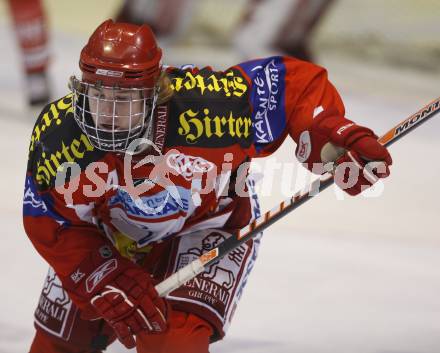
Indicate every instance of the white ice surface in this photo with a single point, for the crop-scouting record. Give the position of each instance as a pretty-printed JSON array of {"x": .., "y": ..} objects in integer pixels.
[{"x": 359, "y": 275}]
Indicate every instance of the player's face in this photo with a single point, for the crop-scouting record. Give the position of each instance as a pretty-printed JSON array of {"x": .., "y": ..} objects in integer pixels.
[{"x": 116, "y": 109}]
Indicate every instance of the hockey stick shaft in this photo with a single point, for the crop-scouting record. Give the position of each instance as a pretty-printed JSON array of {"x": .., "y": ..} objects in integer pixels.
[{"x": 261, "y": 223}]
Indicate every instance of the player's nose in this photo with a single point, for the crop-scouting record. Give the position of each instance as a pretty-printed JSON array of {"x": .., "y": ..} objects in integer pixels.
[
  {"x": 105, "y": 116},
  {"x": 105, "y": 111}
]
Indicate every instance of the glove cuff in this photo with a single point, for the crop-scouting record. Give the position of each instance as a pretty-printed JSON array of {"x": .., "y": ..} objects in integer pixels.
[{"x": 341, "y": 131}]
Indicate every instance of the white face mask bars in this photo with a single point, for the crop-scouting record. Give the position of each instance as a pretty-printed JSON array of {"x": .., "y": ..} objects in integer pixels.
[{"x": 113, "y": 117}]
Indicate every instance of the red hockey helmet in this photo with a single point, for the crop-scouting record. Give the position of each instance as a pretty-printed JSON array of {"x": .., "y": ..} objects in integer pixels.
[
  {"x": 115, "y": 100},
  {"x": 121, "y": 54}
]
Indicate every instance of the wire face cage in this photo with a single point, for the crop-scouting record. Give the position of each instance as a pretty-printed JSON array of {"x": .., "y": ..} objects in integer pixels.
[{"x": 113, "y": 117}]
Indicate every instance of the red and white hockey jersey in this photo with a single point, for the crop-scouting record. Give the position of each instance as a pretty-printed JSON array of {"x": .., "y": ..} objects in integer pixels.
[{"x": 214, "y": 122}]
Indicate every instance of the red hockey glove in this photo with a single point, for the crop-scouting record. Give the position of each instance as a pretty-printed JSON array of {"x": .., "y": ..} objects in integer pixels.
[
  {"x": 363, "y": 165},
  {"x": 130, "y": 304},
  {"x": 365, "y": 160}
]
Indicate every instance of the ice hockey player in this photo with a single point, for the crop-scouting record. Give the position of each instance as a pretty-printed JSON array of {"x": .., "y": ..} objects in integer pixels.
[
  {"x": 289, "y": 29},
  {"x": 140, "y": 169},
  {"x": 30, "y": 27},
  {"x": 169, "y": 19}
]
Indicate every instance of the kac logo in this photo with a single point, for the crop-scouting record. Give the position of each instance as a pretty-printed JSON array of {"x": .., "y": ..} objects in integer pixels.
[{"x": 188, "y": 166}]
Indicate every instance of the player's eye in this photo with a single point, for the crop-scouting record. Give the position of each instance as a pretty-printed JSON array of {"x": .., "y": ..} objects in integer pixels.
[{"x": 95, "y": 94}]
